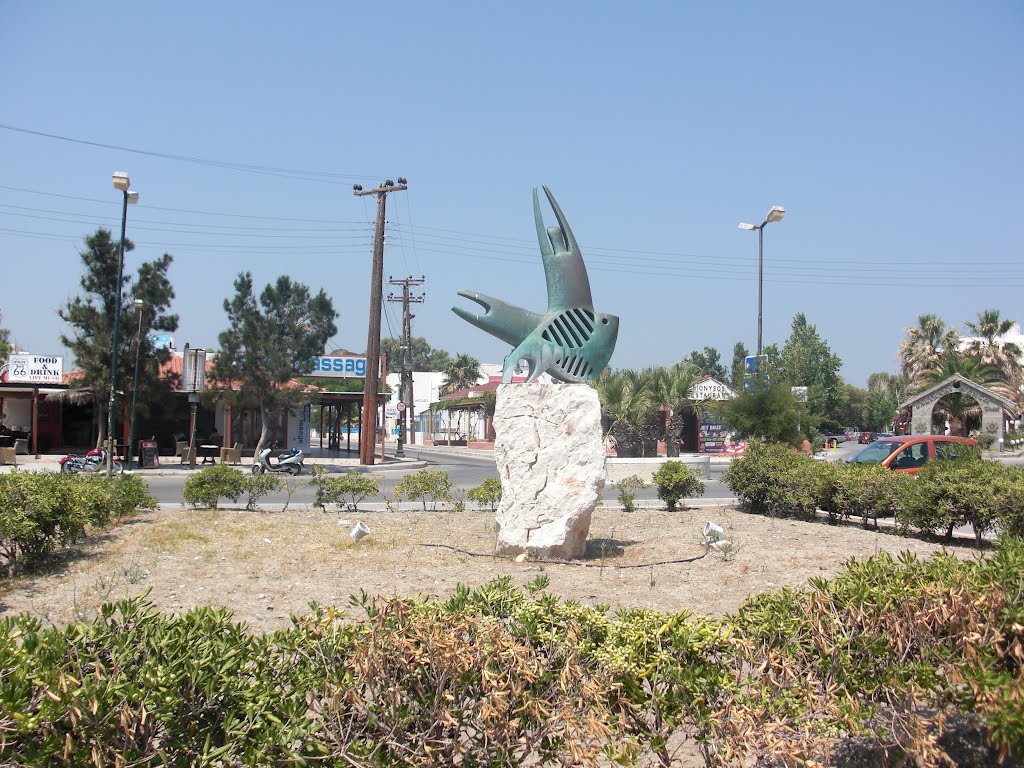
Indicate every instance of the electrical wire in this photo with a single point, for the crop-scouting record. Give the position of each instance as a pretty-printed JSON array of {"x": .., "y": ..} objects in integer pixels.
[{"x": 324, "y": 177}]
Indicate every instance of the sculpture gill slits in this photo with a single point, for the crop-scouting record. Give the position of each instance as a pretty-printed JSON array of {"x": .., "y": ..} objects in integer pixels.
[{"x": 571, "y": 329}]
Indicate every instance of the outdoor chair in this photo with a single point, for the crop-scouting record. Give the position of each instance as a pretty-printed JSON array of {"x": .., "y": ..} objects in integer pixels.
[
  {"x": 231, "y": 455},
  {"x": 186, "y": 454},
  {"x": 21, "y": 446},
  {"x": 180, "y": 446},
  {"x": 8, "y": 456}
]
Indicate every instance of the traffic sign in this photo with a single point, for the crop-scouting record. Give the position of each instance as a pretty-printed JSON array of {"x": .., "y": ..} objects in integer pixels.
[{"x": 401, "y": 406}]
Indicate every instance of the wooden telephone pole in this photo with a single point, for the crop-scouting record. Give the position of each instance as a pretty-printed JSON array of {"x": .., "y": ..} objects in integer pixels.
[
  {"x": 368, "y": 423},
  {"x": 405, "y": 389}
]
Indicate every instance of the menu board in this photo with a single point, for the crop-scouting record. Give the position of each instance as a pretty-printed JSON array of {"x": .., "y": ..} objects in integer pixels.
[
  {"x": 712, "y": 434},
  {"x": 149, "y": 456}
]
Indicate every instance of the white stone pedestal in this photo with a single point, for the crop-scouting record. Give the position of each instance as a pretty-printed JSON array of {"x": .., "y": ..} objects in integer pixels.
[{"x": 551, "y": 462}]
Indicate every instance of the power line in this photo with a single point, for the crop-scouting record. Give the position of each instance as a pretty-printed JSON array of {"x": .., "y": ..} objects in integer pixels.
[
  {"x": 180, "y": 210},
  {"x": 324, "y": 177}
]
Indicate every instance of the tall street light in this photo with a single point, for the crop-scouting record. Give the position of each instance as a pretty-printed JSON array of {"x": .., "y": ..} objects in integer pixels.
[
  {"x": 139, "y": 303},
  {"x": 775, "y": 214},
  {"x": 121, "y": 182}
]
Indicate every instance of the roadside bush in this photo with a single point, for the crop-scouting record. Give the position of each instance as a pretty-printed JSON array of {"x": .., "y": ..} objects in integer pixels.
[
  {"x": 954, "y": 493},
  {"x": 627, "y": 488},
  {"x": 258, "y": 486},
  {"x": 1011, "y": 503},
  {"x": 427, "y": 484},
  {"x": 352, "y": 488},
  {"x": 131, "y": 493},
  {"x": 754, "y": 477},
  {"x": 345, "y": 490},
  {"x": 677, "y": 481},
  {"x": 43, "y": 512},
  {"x": 869, "y": 491},
  {"x": 487, "y": 494},
  {"x": 320, "y": 480},
  {"x": 209, "y": 485}
]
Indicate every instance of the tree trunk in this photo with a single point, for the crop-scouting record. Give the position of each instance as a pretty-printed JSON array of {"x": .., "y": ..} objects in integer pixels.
[
  {"x": 264, "y": 421},
  {"x": 101, "y": 426}
]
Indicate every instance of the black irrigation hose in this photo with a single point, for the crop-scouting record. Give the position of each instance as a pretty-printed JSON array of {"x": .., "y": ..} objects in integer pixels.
[{"x": 573, "y": 562}]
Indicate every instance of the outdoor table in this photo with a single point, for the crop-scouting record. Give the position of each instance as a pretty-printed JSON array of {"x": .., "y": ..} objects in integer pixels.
[{"x": 209, "y": 453}]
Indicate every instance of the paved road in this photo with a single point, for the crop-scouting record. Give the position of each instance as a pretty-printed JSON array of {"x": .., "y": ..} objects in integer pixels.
[
  {"x": 469, "y": 470},
  {"x": 466, "y": 471}
]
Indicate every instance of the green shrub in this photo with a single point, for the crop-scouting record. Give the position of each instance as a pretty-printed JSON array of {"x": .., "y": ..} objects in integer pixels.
[
  {"x": 677, "y": 481},
  {"x": 627, "y": 488},
  {"x": 320, "y": 480},
  {"x": 503, "y": 676},
  {"x": 487, "y": 494},
  {"x": 258, "y": 486},
  {"x": 131, "y": 493},
  {"x": 1011, "y": 503},
  {"x": 427, "y": 484},
  {"x": 867, "y": 491},
  {"x": 754, "y": 476},
  {"x": 352, "y": 488},
  {"x": 43, "y": 512},
  {"x": 209, "y": 485},
  {"x": 954, "y": 493}
]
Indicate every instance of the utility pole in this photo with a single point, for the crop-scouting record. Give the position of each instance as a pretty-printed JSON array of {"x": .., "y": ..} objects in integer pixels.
[
  {"x": 405, "y": 388},
  {"x": 368, "y": 423}
]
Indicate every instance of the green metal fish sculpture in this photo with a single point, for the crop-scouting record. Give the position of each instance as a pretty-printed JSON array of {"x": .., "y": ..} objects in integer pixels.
[{"x": 571, "y": 342}]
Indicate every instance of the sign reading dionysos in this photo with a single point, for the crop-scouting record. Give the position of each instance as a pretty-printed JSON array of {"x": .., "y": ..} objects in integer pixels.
[
  {"x": 711, "y": 389},
  {"x": 35, "y": 369}
]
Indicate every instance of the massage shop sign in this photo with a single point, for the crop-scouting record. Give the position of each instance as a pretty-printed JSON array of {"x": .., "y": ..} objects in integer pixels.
[{"x": 34, "y": 369}]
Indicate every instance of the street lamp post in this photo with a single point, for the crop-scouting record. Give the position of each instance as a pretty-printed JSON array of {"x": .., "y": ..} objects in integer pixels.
[
  {"x": 775, "y": 214},
  {"x": 121, "y": 182},
  {"x": 135, "y": 381}
]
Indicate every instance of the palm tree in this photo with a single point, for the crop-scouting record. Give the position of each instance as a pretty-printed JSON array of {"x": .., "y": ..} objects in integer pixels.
[
  {"x": 628, "y": 406},
  {"x": 672, "y": 389},
  {"x": 924, "y": 347},
  {"x": 988, "y": 349},
  {"x": 462, "y": 372}
]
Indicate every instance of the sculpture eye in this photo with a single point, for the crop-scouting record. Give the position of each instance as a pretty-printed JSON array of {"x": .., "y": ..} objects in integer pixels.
[{"x": 604, "y": 321}]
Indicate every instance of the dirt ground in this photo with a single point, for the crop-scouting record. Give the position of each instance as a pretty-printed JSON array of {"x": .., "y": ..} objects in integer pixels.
[{"x": 266, "y": 565}]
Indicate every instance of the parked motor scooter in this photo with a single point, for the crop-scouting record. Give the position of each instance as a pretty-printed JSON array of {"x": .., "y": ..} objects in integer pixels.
[
  {"x": 289, "y": 461},
  {"x": 94, "y": 461}
]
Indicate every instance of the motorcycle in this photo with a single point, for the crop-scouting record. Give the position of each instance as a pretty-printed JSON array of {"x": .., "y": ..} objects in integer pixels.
[
  {"x": 289, "y": 461},
  {"x": 94, "y": 461}
]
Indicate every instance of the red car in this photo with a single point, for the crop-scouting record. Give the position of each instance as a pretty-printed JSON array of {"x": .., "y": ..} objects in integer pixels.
[{"x": 868, "y": 437}]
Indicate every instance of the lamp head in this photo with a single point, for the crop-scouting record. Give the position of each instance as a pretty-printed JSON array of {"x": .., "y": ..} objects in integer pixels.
[
  {"x": 776, "y": 213},
  {"x": 139, "y": 303},
  {"x": 744, "y": 225},
  {"x": 133, "y": 197},
  {"x": 121, "y": 181}
]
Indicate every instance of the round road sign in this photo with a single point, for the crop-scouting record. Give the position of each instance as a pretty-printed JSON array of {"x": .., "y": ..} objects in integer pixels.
[{"x": 401, "y": 406}]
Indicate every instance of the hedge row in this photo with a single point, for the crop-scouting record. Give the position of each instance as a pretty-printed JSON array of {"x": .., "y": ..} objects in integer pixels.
[
  {"x": 892, "y": 653},
  {"x": 41, "y": 513},
  {"x": 774, "y": 479}
]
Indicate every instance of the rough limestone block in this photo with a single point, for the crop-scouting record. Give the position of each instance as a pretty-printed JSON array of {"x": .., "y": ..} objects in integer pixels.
[{"x": 550, "y": 460}]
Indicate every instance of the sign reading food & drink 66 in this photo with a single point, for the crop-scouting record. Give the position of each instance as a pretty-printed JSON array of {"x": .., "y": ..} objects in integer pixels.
[{"x": 34, "y": 369}]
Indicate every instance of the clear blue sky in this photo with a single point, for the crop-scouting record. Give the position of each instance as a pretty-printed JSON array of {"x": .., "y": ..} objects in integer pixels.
[{"x": 891, "y": 132}]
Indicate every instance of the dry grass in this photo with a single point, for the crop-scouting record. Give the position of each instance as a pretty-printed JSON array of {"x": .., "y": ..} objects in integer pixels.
[{"x": 265, "y": 566}]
